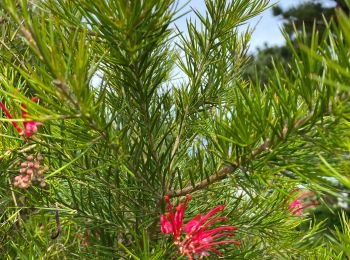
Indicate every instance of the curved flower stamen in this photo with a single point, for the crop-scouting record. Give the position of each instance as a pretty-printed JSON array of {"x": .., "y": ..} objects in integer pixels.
[
  {"x": 30, "y": 127},
  {"x": 198, "y": 240},
  {"x": 9, "y": 116},
  {"x": 296, "y": 206}
]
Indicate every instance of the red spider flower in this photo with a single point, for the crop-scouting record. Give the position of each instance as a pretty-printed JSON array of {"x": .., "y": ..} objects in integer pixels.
[
  {"x": 199, "y": 238},
  {"x": 296, "y": 206},
  {"x": 30, "y": 127},
  {"x": 172, "y": 223}
]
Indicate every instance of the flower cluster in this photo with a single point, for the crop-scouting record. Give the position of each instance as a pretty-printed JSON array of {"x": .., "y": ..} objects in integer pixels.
[
  {"x": 31, "y": 172},
  {"x": 30, "y": 127},
  {"x": 198, "y": 238},
  {"x": 297, "y": 205}
]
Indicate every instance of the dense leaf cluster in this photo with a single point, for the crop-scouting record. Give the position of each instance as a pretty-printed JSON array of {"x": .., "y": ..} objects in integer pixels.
[{"x": 120, "y": 131}]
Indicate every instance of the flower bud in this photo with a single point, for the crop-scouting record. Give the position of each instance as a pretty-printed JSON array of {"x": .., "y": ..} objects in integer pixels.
[
  {"x": 30, "y": 157},
  {"x": 30, "y": 164},
  {"x": 37, "y": 165},
  {"x": 25, "y": 185},
  {"x": 39, "y": 157},
  {"x": 29, "y": 171},
  {"x": 22, "y": 170},
  {"x": 26, "y": 178},
  {"x": 24, "y": 164}
]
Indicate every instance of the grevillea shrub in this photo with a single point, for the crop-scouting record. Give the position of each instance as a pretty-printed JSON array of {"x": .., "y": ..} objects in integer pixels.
[{"x": 127, "y": 133}]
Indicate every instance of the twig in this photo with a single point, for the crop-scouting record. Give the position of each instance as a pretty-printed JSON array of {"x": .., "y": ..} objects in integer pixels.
[
  {"x": 26, "y": 149},
  {"x": 219, "y": 175},
  {"x": 263, "y": 147},
  {"x": 58, "y": 224},
  {"x": 56, "y": 117},
  {"x": 228, "y": 169},
  {"x": 65, "y": 89},
  {"x": 29, "y": 37},
  {"x": 176, "y": 147},
  {"x": 23, "y": 150}
]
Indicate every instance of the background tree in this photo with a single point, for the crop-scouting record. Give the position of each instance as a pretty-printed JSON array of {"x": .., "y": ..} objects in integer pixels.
[{"x": 307, "y": 16}]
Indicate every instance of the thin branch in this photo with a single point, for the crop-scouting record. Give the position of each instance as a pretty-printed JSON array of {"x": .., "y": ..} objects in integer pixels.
[
  {"x": 219, "y": 175},
  {"x": 176, "y": 147},
  {"x": 56, "y": 117},
  {"x": 263, "y": 147},
  {"x": 58, "y": 223},
  {"x": 24, "y": 150},
  {"x": 27, "y": 34},
  {"x": 228, "y": 169},
  {"x": 65, "y": 89}
]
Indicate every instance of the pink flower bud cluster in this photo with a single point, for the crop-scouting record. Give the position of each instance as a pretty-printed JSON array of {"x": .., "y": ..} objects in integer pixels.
[{"x": 31, "y": 172}]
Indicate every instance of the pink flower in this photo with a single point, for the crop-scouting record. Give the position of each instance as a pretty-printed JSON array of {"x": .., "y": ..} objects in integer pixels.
[
  {"x": 30, "y": 127},
  {"x": 172, "y": 223},
  {"x": 199, "y": 239},
  {"x": 296, "y": 206}
]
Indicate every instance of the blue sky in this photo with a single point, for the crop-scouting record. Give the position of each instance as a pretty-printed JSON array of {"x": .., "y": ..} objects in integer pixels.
[{"x": 267, "y": 26}]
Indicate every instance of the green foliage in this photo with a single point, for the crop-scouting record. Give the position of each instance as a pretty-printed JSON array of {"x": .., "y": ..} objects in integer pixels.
[
  {"x": 119, "y": 133},
  {"x": 306, "y": 14},
  {"x": 302, "y": 17}
]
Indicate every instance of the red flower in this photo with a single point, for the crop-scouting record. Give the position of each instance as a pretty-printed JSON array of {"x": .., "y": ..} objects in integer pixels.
[
  {"x": 296, "y": 206},
  {"x": 172, "y": 223},
  {"x": 199, "y": 239},
  {"x": 9, "y": 116},
  {"x": 30, "y": 127}
]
